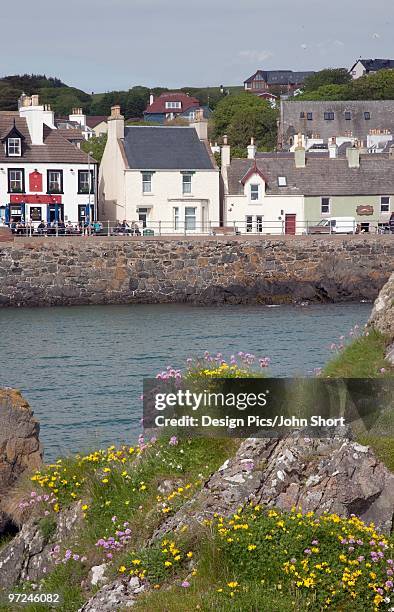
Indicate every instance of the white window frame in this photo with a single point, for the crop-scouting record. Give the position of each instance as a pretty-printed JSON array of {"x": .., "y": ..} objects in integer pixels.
[
  {"x": 254, "y": 192},
  {"x": 249, "y": 224},
  {"x": 325, "y": 212},
  {"x": 282, "y": 181},
  {"x": 177, "y": 105},
  {"x": 190, "y": 218},
  {"x": 259, "y": 224},
  {"x": 16, "y": 145},
  {"x": 146, "y": 182},
  {"x": 186, "y": 184},
  {"x": 386, "y": 204},
  {"x": 54, "y": 181},
  {"x": 17, "y": 180}
]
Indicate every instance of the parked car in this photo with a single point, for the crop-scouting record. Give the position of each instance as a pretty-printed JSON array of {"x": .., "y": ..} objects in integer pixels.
[{"x": 334, "y": 225}]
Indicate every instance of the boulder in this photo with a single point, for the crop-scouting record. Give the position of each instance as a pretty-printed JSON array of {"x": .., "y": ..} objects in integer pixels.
[
  {"x": 118, "y": 595},
  {"x": 20, "y": 448},
  {"x": 382, "y": 316},
  {"x": 333, "y": 474}
]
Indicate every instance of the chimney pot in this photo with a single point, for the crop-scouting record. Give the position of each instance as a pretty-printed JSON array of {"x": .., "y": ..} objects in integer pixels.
[
  {"x": 225, "y": 139},
  {"x": 35, "y": 100},
  {"x": 115, "y": 112}
]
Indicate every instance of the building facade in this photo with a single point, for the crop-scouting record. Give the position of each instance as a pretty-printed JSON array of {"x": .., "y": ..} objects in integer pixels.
[
  {"x": 277, "y": 193},
  {"x": 43, "y": 176},
  {"x": 170, "y": 106},
  {"x": 164, "y": 178},
  {"x": 340, "y": 119}
]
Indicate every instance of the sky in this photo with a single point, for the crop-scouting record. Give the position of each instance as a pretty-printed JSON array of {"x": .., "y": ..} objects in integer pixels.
[{"x": 101, "y": 45}]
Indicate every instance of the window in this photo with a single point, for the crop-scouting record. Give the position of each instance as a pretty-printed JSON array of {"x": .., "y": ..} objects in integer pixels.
[
  {"x": 249, "y": 223},
  {"x": 146, "y": 182},
  {"x": 367, "y": 116},
  {"x": 190, "y": 218},
  {"x": 348, "y": 115},
  {"x": 329, "y": 116},
  {"x": 259, "y": 224},
  {"x": 385, "y": 204},
  {"x": 302, "y": 115},
  {"x": 16, "y": 180},
  {"x": 55, "y": 181},
  {"x": 14, "y": 147},
  {"x": 186, "y": 183},
  {"x": 254, "y": 192},
  {"x": 309, "y": 116},
  {"x": 173, "y": 105},
  {"x": 325, "y": 206},
  {"x": 84, "y": 183},
  {"x": 282, "y": 181},
  {"x": 175, "y": 216},
  {"x": 143, "y": 216}
]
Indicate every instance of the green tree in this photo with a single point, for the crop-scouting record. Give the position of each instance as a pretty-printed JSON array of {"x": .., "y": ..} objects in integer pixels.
[
  {"x": 328, "y": 76},
  {"x": 378, "y": 86},
  {"x": 328, "y": 92},
  {"x": 96, "y": 146},
  {"x": 244, "y": 116}
]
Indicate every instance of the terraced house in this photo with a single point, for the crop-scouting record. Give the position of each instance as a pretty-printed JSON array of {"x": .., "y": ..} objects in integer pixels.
[
  {"x": 44, "y": 176},
  {"x": 291, "y": 192},
  {"x": 164, "y": 178}
]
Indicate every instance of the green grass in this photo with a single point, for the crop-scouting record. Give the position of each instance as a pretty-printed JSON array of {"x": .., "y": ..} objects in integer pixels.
[{"x": 364, "y": 358}]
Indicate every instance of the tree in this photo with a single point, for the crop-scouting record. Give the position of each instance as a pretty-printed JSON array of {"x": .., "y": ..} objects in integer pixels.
[
  {"x": 328, "y": 76},
  {"x": 96, "y": 146},
  {"x": 378, "y": 86},
  {"x": 244, "y": 116},
  {"x": 328, "y": 92}
]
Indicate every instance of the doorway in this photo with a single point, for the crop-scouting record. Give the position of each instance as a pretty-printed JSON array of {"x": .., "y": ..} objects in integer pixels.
[{"x": 290, "y": 224}]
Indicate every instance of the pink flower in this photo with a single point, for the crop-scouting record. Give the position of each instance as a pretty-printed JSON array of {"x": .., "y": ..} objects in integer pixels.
[
  {"x": 185, "y": 584},
  {"x": 173, "y": 441}
]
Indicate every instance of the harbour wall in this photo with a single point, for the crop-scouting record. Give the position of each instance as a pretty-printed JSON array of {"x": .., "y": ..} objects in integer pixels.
[{"x": 215, "y": 270}]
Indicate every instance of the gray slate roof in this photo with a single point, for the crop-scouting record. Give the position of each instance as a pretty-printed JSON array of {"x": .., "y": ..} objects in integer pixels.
[
  {"x": 165, "y": 148},
  {"x": 280, "y": 77},
  {"x": 381, "y": 117},
  {"x": 320, "y": 177},
  {"x": 376, "y": 64}
]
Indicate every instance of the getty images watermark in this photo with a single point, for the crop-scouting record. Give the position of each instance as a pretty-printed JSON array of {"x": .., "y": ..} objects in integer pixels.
[{"x": 269, "y": 407}]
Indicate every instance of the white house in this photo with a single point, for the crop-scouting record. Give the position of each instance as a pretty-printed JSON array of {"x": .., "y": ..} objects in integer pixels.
[
  {"x": 163, "y": 177},
  {"x": 43, "y": 176},
  {"x": 369, "y": 66},
  {"x": 255, "y": 203}
]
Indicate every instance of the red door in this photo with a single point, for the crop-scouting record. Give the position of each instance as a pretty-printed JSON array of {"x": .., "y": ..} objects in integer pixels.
[{"x": 290, "y": 224}]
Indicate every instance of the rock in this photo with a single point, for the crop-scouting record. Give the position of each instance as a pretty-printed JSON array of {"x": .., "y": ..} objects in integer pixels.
[
  {"x": 29, "y": 555},
  {"x": 382, "y": 317},
  {"x": 20, "y": 448},
  {"x": 333, "y": 475},
  {"x": 118, "y": 595},
  {"x": 390, "y": 354},
  {"x": 97, "y": 574}
]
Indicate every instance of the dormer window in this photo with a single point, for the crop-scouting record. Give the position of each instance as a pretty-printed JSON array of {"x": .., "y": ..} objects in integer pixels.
[
  {"x": 282, "y": 182},
  {"x": 173, "y": 105},
  {"x": 14, "y": 147},
  {"x": 254, "y": 192}
]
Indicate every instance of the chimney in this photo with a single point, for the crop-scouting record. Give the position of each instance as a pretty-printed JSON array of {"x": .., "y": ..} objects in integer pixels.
[
  {"x": 115, "y": 123},
  {"x": 35, "y": 100},
  {"x": 332, "y": 148},
  {"x": 78, "y": 116},
  {"x": 200, "y": 124},
  {"x": 151, "y": 99},
  {"x": 252, "y": 149},
  {"x": 36, "y": 116},
  {"x": 353, "y": 157},
  {"x": 225, "y": 152},
  {"x": 299, "y": 153}
]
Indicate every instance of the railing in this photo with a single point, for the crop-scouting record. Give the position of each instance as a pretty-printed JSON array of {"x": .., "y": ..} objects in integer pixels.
[{"x": 168, "y": 228}]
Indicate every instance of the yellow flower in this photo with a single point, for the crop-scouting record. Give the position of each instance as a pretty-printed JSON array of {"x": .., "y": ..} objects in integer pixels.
[
  {"x": 189, "y": 555},
  {"x": 104, "y": 480},
  {"x": 136, "y": 561},
  {"x": 167, "y": 563},
  {"x": 56, "y": 507},
  {"x": 251, "y": 546},
  {"x": 232, "y": 585},
  {"x": 122, "y": 569},
  {"x": 84, "y": 507}
]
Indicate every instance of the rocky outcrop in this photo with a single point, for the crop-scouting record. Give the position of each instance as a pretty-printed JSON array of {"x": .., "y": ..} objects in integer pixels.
[
  {"x": 20, "y": 448},
  {"x": 382, "y": 317},
  {"x": 30, "y": 555},
  {"x": 208, "y": 270},
  {"x": 333, "y": 475},
  {"x": 119, "y": 595}
]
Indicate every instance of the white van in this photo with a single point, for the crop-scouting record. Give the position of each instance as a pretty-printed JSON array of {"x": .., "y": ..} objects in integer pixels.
[{"x": 334, "y": 225}]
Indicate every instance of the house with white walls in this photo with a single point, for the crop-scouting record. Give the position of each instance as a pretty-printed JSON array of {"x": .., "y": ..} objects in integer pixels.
[
  {"x": 163, "y": 177},
  {"x": 43, "y": 176},
  {"x": 284, "y": 192}
]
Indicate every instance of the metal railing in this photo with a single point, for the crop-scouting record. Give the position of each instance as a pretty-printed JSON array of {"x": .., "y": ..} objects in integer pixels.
[{"x": 211, "y": 228}]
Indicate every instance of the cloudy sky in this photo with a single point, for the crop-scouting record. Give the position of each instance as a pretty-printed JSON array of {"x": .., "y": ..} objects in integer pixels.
[{"x": 99, "y": 45}]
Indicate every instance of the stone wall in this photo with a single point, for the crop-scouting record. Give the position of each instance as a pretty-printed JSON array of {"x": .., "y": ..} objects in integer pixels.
[{"x": 217, "y": 270}]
